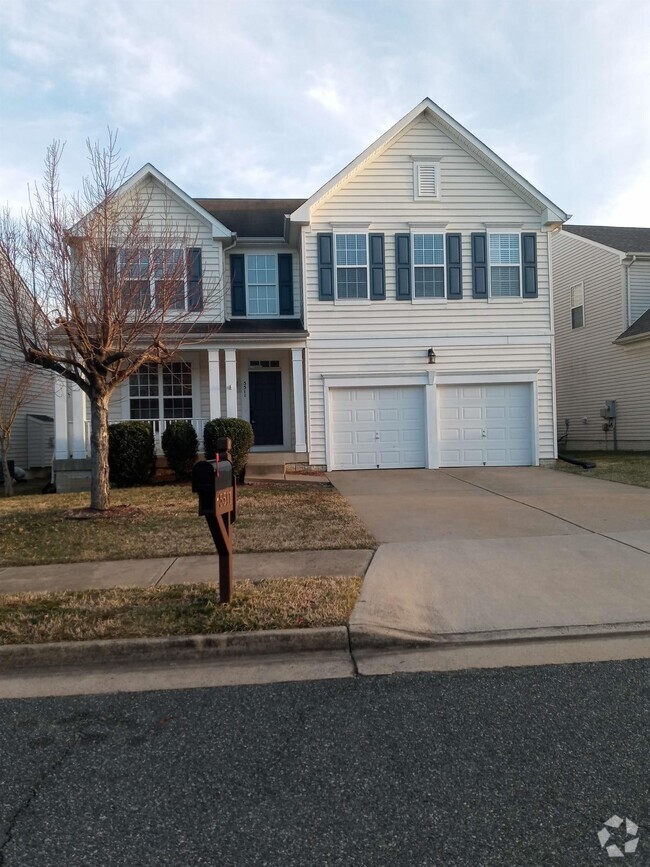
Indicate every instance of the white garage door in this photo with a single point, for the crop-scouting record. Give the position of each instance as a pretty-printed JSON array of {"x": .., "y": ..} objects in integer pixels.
[
  {"x": 485, "y": 425},
  {"x": 378, "y": 428}
]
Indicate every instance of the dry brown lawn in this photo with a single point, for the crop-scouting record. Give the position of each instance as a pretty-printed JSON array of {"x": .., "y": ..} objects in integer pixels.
[
  {"x": 188, "y": 609},
  {"x": 629, "y": 468},
  {"x": 163, "y": 522}
]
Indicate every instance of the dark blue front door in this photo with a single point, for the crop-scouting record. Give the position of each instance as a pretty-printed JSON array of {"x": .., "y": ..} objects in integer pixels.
[{"x": 265, "y": 395}]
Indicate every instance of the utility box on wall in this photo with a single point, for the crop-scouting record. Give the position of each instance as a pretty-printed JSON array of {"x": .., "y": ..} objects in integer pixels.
[{"x": 609, "y": 410}]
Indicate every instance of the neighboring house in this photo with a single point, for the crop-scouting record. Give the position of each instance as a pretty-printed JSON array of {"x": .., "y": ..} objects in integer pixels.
[
  {"x": 601, "y": 277},
  {"x": 399, "y": 317},
  {"x": 32, "y": 436}
]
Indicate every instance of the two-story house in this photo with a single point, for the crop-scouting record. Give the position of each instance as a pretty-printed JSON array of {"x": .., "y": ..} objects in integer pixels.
[
  {"x": 399, "y": 317},
  {"x": 602, "y": 333}
]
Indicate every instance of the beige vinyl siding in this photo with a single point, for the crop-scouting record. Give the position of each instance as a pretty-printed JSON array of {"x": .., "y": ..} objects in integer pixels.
[
  {"x": 590, "y": 368},
  {"x": 164, "y": 207},
  {"x": 245, "y": 249},
  {"x": 638, "y": 277},
  {"x": 450, "y": 358},
  {"x": 390, "y": 336},
  {"x": 40, "y": 396}
]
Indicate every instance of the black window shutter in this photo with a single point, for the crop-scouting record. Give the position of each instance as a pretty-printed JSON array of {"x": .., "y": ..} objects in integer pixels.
[
  {"x": 285, "y": 283},
  {"x": 237, "y": 284},
  {"x": 377, "y": 268},
  {"x": 454, "y": 265},
  {"x": 403, "y": 267},
  {"x": 325, "y": 266},
  {"x": 479, "y": 265},
  {"x": 529, "y": 264},
  {"x": 194, "y": 279}
]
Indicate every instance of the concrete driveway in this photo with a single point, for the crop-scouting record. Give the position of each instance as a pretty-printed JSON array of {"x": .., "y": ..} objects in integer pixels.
[{"x": 483, "y": 554}]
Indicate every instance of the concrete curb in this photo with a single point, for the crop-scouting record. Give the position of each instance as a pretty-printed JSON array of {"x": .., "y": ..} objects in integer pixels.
[
  {"x": 364, "y": 636},
  {"x": 172, "y": 648}
]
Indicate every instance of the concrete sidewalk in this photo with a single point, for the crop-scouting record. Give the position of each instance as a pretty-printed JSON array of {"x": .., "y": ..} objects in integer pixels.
[
  {"x": 495, "y": 554},
  {"x": 181, "y": 570}
]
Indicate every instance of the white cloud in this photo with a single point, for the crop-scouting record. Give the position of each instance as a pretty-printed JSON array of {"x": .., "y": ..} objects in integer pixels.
[{"x": 629, "y": 205}]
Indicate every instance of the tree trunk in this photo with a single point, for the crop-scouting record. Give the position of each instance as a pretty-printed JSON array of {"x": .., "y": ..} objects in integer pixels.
[
  {"x": 99, "y": 487},
  {"x": 8, "y": 481}
]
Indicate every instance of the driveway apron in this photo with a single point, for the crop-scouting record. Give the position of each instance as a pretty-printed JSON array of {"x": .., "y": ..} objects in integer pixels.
[{"x": 493, "y": 554}]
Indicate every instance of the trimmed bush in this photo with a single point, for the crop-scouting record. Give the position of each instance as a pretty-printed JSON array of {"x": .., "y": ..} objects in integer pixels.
[
  {"x": 180, "y": 445},
  {"x": 131, "y": 454},
  {"x": 241, "y": 434}
]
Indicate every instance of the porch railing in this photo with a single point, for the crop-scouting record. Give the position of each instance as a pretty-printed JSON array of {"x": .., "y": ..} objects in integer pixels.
[{"x": 159, "y": 425}]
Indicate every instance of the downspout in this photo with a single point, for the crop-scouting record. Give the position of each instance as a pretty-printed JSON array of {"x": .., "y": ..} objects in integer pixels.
[{"x": 628, "y": 311}]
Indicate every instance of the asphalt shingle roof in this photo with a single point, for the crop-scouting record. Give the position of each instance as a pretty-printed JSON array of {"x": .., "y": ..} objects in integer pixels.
[
  {"x": 252, "y": 218},
  {"x": 640, "y": 328},
  {"x": 624, "y": 238}
]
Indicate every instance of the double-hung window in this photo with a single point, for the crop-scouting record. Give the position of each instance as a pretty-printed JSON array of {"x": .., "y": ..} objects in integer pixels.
[
  {"x": 351, "y": 252},
  {"x": 161, "y": 391},
  {"x": 504, "y": 250},
  {"x": 429, "y": 266},
  {"x": 262, "y": 283},
  {"x": 577, "y": 305},
  {"x": 153, "y": 276},
  {"x": 136, "y": 288},
  {"x": 169, "y": 285}
]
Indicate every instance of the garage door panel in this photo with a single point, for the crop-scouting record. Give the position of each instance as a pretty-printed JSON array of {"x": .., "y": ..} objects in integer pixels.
[
  {"x": 492, "y": 424},
  {"x": 379, "y": 427}
]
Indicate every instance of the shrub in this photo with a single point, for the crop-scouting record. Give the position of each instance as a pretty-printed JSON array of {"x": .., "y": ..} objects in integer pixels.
[
  {"x": 131, "y": 455},
  {"x": 180, "y": 445},
  {"x": 241, "y": 434}
]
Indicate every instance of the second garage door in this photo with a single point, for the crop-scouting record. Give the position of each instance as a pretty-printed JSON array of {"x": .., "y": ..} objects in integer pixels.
[
  {"x": 485, "y": 425},
  {"x": 378, "y": 428}
]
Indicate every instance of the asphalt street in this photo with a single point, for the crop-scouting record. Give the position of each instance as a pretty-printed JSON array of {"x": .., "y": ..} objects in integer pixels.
[{"x": 507, "y": 767}]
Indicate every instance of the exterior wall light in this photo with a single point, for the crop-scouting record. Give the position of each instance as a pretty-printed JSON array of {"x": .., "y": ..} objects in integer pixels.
[{"x": 432, "y": 356}]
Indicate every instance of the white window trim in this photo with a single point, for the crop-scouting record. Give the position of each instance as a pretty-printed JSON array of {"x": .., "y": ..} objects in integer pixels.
[
  {"x": 152, "y": 283},
  {"x": 337, "y": 300},
  {"x": 416, "y": 186},
  {"x": 250, "y": 315},
  {"x": 499, "y": 299},
  {"x": 196, "y": 390},
  {"x": 581, "y": 284},
  {"x": 429, "y": 300}
]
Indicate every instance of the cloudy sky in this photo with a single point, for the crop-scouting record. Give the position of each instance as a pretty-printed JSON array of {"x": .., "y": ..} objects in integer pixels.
[{"x": 273, "y": 97}]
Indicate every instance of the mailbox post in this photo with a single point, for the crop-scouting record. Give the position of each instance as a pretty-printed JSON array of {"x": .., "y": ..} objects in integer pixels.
[{"x": 216, "y": 486}]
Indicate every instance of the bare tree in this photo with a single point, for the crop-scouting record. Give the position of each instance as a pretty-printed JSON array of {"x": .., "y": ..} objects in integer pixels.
[
  {"x": 96, "y": 284},
  {"x": 18, "y": 388}
]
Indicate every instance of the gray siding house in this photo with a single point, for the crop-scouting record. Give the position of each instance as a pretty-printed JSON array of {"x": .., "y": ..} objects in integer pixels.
[{"x": 601, "y": 278}]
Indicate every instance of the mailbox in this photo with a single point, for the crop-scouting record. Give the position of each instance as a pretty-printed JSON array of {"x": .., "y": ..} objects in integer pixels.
[
  {"x": 213, "y": 482},
  {"x": 215, "y": 485}
]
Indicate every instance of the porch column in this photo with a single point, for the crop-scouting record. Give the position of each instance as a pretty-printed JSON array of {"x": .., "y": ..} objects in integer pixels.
[
  {"x": 299, "y": 399},
  {"x": 61, "y": 452},
  {"x": 214, "y": 383},
  {"x": 78, "y": 410},
  {"x": 231, "y": 383}
]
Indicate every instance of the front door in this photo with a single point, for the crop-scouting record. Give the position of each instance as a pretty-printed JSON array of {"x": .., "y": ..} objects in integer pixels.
[{"x": 265, "y": 390}]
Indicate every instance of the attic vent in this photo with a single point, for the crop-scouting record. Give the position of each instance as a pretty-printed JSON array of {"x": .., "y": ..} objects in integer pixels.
[{"x": 426, "y": 180}]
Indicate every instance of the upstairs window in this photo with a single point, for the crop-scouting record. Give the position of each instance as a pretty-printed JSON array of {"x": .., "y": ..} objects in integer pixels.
[
  {"x": 351, "y": 266},
  {"x": 169, "y": 285},
  {"x": 505, "y": 265},
  {"x": 159, "y": 278},
  {"x": 429, "y": 266},
  {"x": 426, "y": 180},
  {"x": 262, "y": 283},
  {"x": 577, "y": 305}
]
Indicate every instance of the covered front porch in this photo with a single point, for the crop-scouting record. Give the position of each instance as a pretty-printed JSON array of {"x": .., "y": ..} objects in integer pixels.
[{"x": 264, "y": 384}]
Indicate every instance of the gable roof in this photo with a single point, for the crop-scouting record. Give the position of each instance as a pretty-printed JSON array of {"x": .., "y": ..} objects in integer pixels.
[
  {"x": 149, "y": 170},
  {"x": 252, "y": 218},
  {"x": 551, "y": 213},
  {"x": 624, "y": 238},
  {"x": 639, "y": 330}
]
